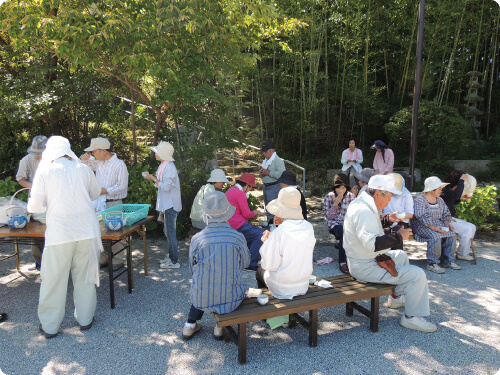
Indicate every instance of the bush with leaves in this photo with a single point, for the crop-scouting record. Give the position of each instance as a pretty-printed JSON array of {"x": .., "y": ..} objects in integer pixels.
[
  {"x": 477, "y": 209},
  {"x": 9, "y": 187}
]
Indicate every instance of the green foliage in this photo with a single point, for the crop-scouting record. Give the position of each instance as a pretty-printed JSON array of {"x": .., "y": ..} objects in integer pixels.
[
  {"x": 9, "y": 187},
  {"x": 477, "y": 209}
]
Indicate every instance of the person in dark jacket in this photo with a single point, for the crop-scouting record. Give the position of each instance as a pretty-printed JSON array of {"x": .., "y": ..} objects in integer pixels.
[
  {"x": 287, "y": 179},
  {"x": 452, "y": 195}
]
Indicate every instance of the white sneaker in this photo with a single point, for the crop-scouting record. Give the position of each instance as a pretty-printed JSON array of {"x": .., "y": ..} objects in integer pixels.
[
  {"x": 435, "y": 268},
  {"x": 451, "y": 265},
  {"x": 418, "y": 323},
  {"x": 464, "y": 257},
  {"x": 170, "y": 265},
  {"x": 164, "y": 260},
  {"x": 218, "y": 333},
  {"x": 188, "y": 332},
  {"x": 396, "y": 303}
]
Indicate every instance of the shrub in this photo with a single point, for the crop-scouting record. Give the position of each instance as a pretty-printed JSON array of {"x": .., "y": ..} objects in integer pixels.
[
  {"x": 477, "y": 209},
  {"x": 9, "y": 187}
]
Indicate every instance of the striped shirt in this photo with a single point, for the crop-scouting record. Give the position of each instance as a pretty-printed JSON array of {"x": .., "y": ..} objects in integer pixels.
[
  {"x": 27, "y": 168},
  {"x": 426, "y": 215},
  {"x": 112, "y": 174},
  {"x": 217, "y": 257},
  {"x": 334, "y": 215}
]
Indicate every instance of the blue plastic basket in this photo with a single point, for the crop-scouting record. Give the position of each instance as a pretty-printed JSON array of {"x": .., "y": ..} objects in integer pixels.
[{"x": 132, "y": 212}]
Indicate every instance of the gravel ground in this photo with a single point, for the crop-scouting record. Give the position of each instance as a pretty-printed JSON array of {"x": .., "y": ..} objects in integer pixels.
[{"x": 142, "y": 335}]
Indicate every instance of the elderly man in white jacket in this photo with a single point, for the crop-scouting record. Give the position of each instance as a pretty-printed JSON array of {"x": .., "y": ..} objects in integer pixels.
[
  {"x": 364, "y": 239},
  {"x": 287, "y": 252}
]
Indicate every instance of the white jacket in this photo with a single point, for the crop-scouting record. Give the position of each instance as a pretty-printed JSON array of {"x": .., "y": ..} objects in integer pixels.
[{"x": 356, "y": 164}]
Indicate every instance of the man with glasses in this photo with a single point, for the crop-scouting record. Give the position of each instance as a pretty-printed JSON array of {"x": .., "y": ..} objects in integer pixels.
[
  {"x": 365, "y": 240},
  {"x": 112, "y": 174}
]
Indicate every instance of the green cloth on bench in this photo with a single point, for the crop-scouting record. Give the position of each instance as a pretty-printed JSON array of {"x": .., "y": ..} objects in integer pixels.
[{"x": 277, "y": 321}]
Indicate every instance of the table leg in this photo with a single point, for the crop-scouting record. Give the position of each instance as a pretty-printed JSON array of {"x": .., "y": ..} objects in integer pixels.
[
  {"x": 145, "y": 249},
  {"x": 349, "y": 310},
  {"x": 16, "y": 249},
  {"x": 375, "y": 304},
  {"x": 110, "y": 273},
  {"x": 242, "y": 343},
  {"x": 130, "y": 267}
]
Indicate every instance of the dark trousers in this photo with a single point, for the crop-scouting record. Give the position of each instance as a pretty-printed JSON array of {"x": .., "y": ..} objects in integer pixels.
[
  {"x": 194, "y": 314},
  {"x": 259, "y": 276},
  {"x": 338, "y": 232}
]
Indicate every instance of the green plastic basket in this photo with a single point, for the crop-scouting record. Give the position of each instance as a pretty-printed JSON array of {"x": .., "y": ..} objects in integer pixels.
[{"x": 132, "y": 213}]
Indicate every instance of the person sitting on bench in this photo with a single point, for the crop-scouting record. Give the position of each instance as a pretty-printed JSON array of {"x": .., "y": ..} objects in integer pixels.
[
  {"x": 287, "y": 252},
  {"x": 217, "y": 257},
  {"x": 365, "y": 241}
]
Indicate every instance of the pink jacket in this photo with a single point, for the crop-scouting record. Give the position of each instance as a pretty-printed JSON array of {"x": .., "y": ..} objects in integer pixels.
[
  {"x": 238, "y": 199},
  {"x": 378, "y": 162}
]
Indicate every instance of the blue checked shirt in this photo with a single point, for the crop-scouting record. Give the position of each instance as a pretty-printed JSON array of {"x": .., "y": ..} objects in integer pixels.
[
  {"x": 425, "y": 216},
  {"x": 217, "y": 257}
]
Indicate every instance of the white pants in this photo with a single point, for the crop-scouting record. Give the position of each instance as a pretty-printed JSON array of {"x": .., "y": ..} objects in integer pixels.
[
  {"x": 58, "y": 261},
  {"x": 466, "y": 232},
  {"x": 410, "y": 282}
]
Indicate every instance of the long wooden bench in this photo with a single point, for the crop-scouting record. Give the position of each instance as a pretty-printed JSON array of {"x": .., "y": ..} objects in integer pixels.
[{"x": 345, "y": 290}]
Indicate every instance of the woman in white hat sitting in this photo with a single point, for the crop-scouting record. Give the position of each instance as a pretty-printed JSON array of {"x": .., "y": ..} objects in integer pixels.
[
  {"x": 431, "y": 223},
  {"x": 215, "y": 182},
  {"x": 169, "y": 198},
  {"x": 287, "y": 252}
]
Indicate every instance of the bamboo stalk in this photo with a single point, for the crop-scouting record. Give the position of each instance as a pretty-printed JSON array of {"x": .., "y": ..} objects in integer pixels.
[{"x": 488, "y": 116}]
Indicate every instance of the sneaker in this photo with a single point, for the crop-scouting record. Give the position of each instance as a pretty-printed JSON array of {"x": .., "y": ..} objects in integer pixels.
[
  {"x": 164, "y": 260},
  {"x": 418, "y": 323},
  {"x": 34, "y": 267},
  {"x": 464, "y": 257},
  {"x": 218, "y": 333},
  {"x": 451, "y": 265},
  {"x": 47, "y": 335},
  {"x": 435, "y": 268},
  {"x": 396, "y": 303},
  {"x": 188, "y": 332},
  {"x": 170, "y": 265}
]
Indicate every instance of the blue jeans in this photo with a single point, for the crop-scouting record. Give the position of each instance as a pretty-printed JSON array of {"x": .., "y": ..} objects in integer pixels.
[
  {"x": 170, "y": 231},
  {"x": 338, "y": 232},
  {"x": 446, "y": 246},
  {"x": 271, "y": 193},
  {"x": 253, "y": 236}
]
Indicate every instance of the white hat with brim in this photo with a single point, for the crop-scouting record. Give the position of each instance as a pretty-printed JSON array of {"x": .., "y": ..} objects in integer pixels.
[
  {"x": 433, "y": 183},
  {"x": 37, "y": 145},
  {"x": 164, "y": 150},
  {"x": 287, "y": 205},
  {"x": 383, "y": 182},
  {"x": 398, "y": 181},
  {"x": 98, "y": 144},
  {"x": 217, "y": 175},
  {"x": 216, "y": 208}
]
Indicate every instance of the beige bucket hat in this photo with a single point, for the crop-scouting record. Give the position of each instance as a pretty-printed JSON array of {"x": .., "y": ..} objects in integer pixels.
[
  {"x": 217, "y": 175},
  {"x": 98, "y": 144},
  {"x": 287, "y": 205},
  {"x": 164, "y": 150},
  {"x": 433, "y": 183}
]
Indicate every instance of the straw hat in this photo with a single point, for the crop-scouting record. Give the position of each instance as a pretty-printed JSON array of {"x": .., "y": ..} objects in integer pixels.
[
  {"x": 383, "y": 182},
  {"x": 287, "y": 205},
  {"x": 398, "y": 181},
  {"x": 217, "y": 175},
  {"x": 433, "y": 183},
  {"x": 164, "y": 150},
  {"x": 98, "y": 144},
  {"x": 247, "y": 178},
  {"x": 37, "y": 145},
  {"x": 216, "y": 208},
  {"x": 365, "y": 174}
]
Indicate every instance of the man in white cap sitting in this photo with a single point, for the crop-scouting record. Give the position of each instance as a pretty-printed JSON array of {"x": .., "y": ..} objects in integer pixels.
[
  {"x": 364, "y": 241},
  {"x": 66, "y": 188},
  {"x": 112, "y": 174},
  {"x": 25, "y": 176},
  {"x": 218, "y": 256},
  {"x": 287, "y": 252}
]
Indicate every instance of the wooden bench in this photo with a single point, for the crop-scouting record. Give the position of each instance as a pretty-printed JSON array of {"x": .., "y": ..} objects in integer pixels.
[{"x": 345, "y": 290}]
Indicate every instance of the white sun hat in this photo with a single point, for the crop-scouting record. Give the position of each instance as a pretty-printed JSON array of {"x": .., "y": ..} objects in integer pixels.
[
  {"x": 433, "y": 183},
  {"x": 383, "y": 182},
  {"x": 217, "y": 175},
  {"x": 287, "y": 205},
  {"x": 98, "y": 144},
  {"x": 164, "y": 150}
]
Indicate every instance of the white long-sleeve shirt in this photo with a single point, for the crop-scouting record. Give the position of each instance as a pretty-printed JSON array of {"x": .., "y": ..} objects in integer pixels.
[
  {"x": 287, "y": 257},
  {"x": 112, "y": 174},
  {"x": 66, "y": 189},
  {"x": 169, "y": 190}
]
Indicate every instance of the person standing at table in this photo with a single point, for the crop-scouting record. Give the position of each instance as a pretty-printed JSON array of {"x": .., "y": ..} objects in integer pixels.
[
  {"x": 112, "y": 174},
  {"x": 352, "y": 158},
  {"x": 25, "y": 175},
  {"x": 383, "y": 162},
  {"x": 169, "y": 199},
  {"x": 66, "y": 188},
  {"x": 272, "y": 168}
]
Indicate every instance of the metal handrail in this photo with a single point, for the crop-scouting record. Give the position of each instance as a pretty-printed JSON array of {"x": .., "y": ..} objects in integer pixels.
[{"x": 286, "y": 161}]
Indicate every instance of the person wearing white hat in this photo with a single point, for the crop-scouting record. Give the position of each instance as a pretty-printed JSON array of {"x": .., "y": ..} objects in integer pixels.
[
  {"x": 169, "y": 199},
  {"x": 112, "y": 174},
  {"x": 452, "y": 195},
  {"x": 218, "y": 256},
  {"x": 287, "y": 252},
  {"x": 65, "y": 188},
  {"x": 365, "y": 240},
  {"x": 25, "y": 176},
  {"x": 215, "y": 182},
  {"x": 402, "y": 203},
  {"x": 431, "y": 223}
]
